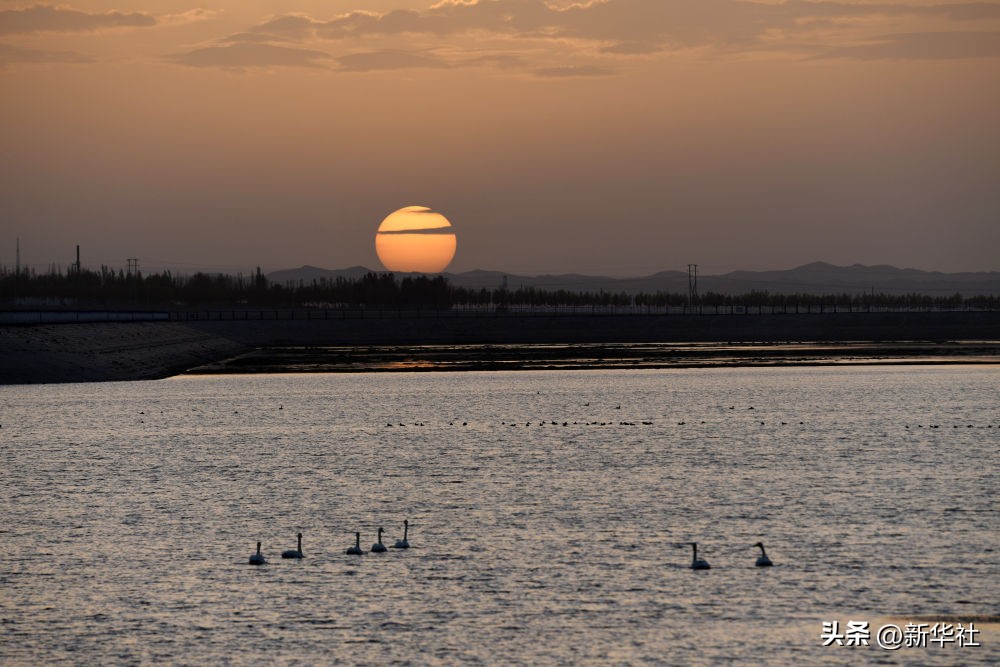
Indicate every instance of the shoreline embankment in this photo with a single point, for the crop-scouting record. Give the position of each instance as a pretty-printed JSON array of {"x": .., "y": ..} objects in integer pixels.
[
  {"x": 92, "y": 352},
  {"x": 540, "y": 328},
  {"x": 106, "y": 351}
]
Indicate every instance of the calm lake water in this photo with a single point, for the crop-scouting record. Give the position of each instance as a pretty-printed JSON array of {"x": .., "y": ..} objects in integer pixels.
[{"x": 129, "y": 511}]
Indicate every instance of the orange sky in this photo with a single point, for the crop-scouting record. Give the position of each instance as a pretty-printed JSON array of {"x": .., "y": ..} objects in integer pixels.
[{"x": 616, "y": 137}]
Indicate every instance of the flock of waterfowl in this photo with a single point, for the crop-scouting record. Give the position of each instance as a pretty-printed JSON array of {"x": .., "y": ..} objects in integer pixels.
[
  {"x": 545, "y": 422},
  {"x": 702, "y": 564},
  {"x": 953, "y": 426},
  {"x": 611, "y": 422},
  {"x": 378, "y": 547},
  {"x": 355, "y": 550}
]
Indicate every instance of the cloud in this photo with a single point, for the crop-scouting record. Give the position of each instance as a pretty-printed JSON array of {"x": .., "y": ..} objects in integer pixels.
[
  {"x": 639, "y": 23},
  {"x": 363, "y": 23},
  {"x": 12, "y": 54},
  {"x": 922, "y": 46},
  {"x": 572, "y": 71},
  {"x": 241, "y": 56},
  {"x": 389, "y": 60},
  {"x": 498, "y": 60},
  {"x": 250, "y": 38},
  {"x": 190, "y": 16},
  {"x": 576, "y": 40},
  {"x": 44, "y": 18},
  {"x": 289, "y": 26},
  {"x": 966, "y": 11},
  {"x": 631, "y": 49}
]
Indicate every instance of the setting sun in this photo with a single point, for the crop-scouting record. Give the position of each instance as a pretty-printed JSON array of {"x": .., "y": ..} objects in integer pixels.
[{"x": 415, "y": 239}]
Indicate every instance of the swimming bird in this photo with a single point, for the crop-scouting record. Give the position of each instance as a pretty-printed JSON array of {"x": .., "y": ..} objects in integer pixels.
[
  {"x": 356, "y": 549},
  {"x": 763, "y": 560},
  {"x": 698, "y": 563},
  {"x": 378, "y": 547},
  {"x": 293, "y": 553},
  {"x": 403, "y": 543},
  {"x": 258, "y": 558}
]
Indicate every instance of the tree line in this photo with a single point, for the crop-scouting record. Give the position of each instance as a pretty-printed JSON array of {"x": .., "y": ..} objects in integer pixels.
[{"x": 108, "y": 288}]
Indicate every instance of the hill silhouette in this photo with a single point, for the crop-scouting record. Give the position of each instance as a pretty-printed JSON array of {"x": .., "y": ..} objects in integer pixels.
[{"x": 814, "y": 278}]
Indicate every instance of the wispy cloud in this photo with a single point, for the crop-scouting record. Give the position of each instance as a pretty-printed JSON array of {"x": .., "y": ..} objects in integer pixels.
[
  {"x": 191, "y": 16},
  {"x": 12, "y": 54},
  {"x": 631, "y": 49},
  {"x": 250, "y": 38},
  {"x": 388, "y": 60},
  {"x": 568, "y": 71},
  {"x": 289, "y": 26},
  {"x": 46, "y": 18},
  {"x": 592, "y": 37},
  {"x": 632, "y": 22},
  {"x": 922, "y": 46},
  {"x": 241, "y": 56}
]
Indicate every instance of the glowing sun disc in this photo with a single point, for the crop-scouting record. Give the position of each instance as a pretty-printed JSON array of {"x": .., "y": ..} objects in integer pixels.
[{"x": 415, "y": 239}]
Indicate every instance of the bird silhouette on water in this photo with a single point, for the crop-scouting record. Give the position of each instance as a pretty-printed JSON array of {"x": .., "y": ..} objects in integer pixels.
[
  {"x": 293, "y": 553},
  {"x": 378, "y": 547},
  {"x": 356, "y": 549},
  {"x": 258, "y": 558},
  {"x": 698, "y": 563},
  {"x": 763, "y": 560},
  {"x": 403, "y": 543}
]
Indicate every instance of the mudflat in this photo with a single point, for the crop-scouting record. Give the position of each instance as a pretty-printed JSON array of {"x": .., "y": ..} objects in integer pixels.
[
  {"x": 93, "y": 352},
  {"x": 410, "y": 358}
]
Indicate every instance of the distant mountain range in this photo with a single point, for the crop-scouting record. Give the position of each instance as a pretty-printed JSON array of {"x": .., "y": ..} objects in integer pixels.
[{"x": 815, "y": 278}]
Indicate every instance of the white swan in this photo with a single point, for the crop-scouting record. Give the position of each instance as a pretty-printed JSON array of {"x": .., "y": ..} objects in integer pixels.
[
  {"x": 403, "y": 543},
  {"x": 698, "y": 563},
  {"x": 293, "y": 553},
  {"x": 763, "y": 560},
  {"x": 356, "y": 549},
  {"x": 378, "y": 547},
  {"x": 258, "y": 558}
]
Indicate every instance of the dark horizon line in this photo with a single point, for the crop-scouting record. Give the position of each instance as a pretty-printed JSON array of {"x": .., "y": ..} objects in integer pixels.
[
  {"x": 359, "y": 268},
  {"x": 678, "y": 272}
]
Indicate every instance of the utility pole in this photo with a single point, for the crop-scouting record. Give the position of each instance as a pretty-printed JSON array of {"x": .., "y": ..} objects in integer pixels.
[
  {"x": 78, "y": 259},
  {"x": 692, "y": 284},
  {"x": 133, "y": 265}
]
